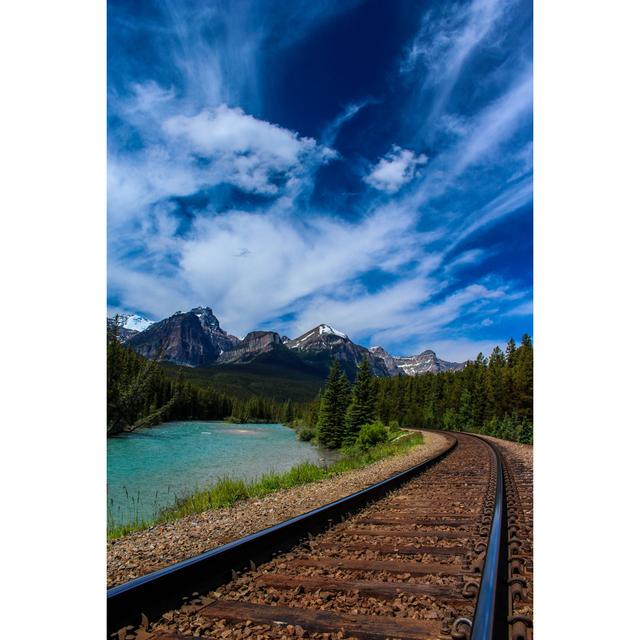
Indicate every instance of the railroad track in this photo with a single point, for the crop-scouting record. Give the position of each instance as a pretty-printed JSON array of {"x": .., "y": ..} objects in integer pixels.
[{"x": 439, "y": 551}]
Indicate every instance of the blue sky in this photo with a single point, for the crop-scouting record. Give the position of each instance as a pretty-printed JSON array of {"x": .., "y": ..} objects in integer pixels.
[{"x": 365, "y": 164}]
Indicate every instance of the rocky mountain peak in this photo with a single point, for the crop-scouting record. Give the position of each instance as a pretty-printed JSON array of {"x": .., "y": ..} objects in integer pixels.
[
  {"x": 425, "y": 362},
  {"x": 206, "y": 317},
  {"x": 318, "y": 337},
  {"x": 250, "y": 347},
  {"x": 389, "y": 360},
  {"x": 193, "y": 338}
]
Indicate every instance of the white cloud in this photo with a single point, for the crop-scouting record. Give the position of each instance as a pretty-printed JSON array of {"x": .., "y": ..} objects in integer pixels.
[
  {"x": 250, "y": 152},
  {"x": 524, "y": 309},
  {"x": 185, "y": 154},
  {"x": 395, "y": 170},
  {"x": 466, "y": 258}
]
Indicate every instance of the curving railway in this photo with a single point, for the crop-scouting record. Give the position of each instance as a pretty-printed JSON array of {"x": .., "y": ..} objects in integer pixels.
[{"x": 442, "y": 550}]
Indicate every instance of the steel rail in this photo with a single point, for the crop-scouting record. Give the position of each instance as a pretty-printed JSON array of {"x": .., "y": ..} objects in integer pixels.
[
  {"x": 162, "y": 590},
  {"x": 490, "y": 618}
]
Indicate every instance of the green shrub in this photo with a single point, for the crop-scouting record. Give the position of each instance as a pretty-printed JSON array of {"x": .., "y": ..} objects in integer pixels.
[
  {"x": 306, "y": 433},
  {"x": 394, "y": 427},
  {"x": 370, "y": 435}
]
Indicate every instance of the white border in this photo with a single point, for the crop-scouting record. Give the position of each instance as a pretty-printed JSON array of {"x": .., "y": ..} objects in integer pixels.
[
  {"x": 52, "y": 141},
  {"x": 53, "y": 146},
  {"x": 586, "y": 114}
]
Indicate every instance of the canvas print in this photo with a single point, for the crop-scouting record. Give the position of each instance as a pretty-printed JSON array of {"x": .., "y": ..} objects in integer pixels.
[{"x": 320, "y": 319}]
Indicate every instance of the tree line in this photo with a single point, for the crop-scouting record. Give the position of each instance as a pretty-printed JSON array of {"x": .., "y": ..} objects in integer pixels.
[
  {"x": 493, "y": 396},
  {"x": 139, "y": 394}
]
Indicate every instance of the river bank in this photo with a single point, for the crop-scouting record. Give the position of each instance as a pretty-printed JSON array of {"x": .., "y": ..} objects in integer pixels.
[
  {"x": 141, "y": 552},
  {"x": 150, "y": 470}
]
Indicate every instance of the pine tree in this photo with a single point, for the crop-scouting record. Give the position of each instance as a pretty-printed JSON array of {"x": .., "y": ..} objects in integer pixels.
[
  {"x": 362, "y": 408},
  {"x": 331, "y": 414},
  {"x": 511, "y": 352},
  {"x": 344, "y": 398}
]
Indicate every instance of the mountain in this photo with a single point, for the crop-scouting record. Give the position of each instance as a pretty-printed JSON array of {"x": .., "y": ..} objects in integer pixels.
[
  {"x": 426, "y": 362},
  {"x": 192, "y": 339},
  {"x": 325, "y": 342},
  {"x": 389, "y": 361},
  {"x": 252, "y": 345},
  {"x": 195, "y": 339},
  {"x": 129, "y": 324}
]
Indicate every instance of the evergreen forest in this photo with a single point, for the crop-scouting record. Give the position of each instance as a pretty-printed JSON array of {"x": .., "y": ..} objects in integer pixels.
[{"x": 492, "y": 396}]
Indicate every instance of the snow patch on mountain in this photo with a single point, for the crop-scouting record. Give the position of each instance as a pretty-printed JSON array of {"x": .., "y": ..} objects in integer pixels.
[
  {"x": 134, "y": 322},
  {"x": 327, "y": 328}
]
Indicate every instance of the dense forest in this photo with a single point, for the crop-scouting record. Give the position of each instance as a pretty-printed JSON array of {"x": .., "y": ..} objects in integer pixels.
[
  {"x": 140, "y": 393},
  {"x": 493, "y": 396}
]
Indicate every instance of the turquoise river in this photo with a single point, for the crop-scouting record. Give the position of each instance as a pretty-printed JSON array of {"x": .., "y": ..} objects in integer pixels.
[{"x": 149, "y": 468}]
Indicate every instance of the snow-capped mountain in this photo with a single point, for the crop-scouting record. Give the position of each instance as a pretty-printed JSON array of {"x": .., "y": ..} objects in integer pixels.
[
  {"x": 336, "y": 344},
  {"x": 322, "y": 335},
  {"x": 425, "y": 362},
  {"x": 134, "y": 322},
  {"x": 129, "y": 324}
]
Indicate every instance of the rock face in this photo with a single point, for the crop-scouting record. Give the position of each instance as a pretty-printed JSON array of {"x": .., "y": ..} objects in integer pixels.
[
  {"x": 254, "y": 344},
  {"x": 389, "y": 361},
  {"x": 193, "y": 339},
  {"x": 426, "y": 362},
  {"x": 337, "y": 345}
]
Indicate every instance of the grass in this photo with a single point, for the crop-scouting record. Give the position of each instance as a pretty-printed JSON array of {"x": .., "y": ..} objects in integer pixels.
[{"x": 228, "y": 491}]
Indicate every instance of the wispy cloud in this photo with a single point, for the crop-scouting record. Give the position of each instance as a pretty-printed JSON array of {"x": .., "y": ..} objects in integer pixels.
[
  {"x": 448, "y": 36},
  {"x": 428, "y": 322}
]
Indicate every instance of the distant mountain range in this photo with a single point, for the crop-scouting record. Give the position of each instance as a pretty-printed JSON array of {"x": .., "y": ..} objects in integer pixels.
[{"x": 195, "y": 339}]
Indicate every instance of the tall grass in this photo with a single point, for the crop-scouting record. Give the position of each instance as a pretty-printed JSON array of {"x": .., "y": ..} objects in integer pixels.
[{"x": 227, "y": 491}]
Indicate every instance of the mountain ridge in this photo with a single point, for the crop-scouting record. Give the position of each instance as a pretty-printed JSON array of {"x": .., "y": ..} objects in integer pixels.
[{"x": 195, "y": 339}]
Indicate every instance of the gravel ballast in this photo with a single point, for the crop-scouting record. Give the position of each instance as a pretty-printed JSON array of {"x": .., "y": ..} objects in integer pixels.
[{"x": 145, "y": 551}]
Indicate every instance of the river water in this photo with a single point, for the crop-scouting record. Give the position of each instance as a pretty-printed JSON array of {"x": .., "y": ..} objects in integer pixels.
[{"x": 149, "y": 468}]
